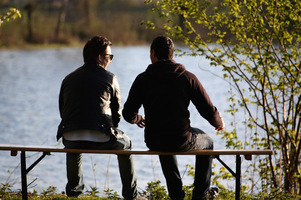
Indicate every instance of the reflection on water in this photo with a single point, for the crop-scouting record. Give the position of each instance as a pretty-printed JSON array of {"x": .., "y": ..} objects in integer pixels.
[{"x": 29, "y": 87}]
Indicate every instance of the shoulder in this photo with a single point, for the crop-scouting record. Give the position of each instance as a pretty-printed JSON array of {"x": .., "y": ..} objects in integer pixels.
[
  {"x": 141, "y": 79},
  {"x": 190, "y": 75},
  {"x": 75, "y": 73},
  {"x": 108, "y": 73},
  {"x": 141, "y": 76},
  {"x": 192, "y": 79}
]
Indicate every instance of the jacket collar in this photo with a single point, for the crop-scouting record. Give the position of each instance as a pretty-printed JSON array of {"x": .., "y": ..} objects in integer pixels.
[{"x": 93, "y": 65}]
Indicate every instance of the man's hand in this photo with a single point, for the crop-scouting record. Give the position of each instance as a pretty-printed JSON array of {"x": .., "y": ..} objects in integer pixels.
[
  {"x": 222, "y": 127},
  {"x": 141, "y": 123}
]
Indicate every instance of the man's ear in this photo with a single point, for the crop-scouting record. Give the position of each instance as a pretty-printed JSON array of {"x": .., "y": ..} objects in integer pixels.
[
  {"x": 99, "y": 58},
  {"x": 153, "y": 53}
]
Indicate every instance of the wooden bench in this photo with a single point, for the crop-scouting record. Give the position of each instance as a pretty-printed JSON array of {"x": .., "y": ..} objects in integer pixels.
[{"x": 47, "y": 150}]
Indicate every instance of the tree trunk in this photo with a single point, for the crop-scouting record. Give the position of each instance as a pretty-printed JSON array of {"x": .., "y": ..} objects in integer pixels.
[
  {"x": 61, "y": 20},
  {"x": 88, "y": 12},
  {"x": 29, "y": 8}
]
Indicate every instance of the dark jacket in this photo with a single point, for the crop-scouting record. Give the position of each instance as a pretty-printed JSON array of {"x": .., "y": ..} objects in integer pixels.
[
  {"x": 165, "y": 90},
  {"x": 89, "y": 99}
]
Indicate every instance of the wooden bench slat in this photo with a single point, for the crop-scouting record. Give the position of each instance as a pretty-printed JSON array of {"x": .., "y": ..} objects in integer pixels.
[{"x": 135, "y": 151}]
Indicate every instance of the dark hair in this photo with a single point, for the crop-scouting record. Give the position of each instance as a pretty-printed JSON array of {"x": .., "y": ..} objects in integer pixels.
[
  {"x": 95, "y": 46},
  {"x": 163, "y": 47}
]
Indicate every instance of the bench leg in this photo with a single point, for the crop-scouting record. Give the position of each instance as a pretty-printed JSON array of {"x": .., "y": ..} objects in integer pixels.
[
  {"x": 23, "y": 176},
  {"x": 236, "y": 174},
  {"x": 238, "y": 177},
  {"x": 25, "y": 171}
]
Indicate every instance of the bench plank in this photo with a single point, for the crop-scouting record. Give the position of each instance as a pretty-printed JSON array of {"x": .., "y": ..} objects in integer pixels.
[{"x": 248, "y": 153}]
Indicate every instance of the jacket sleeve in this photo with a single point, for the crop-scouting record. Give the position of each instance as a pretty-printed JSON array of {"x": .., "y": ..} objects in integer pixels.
[
  {"x": 134, "y": 102},
  {"x": 61, "y": 100},
  {"x": 115, "y": 102},
  {"x": 202, "y": 102}
]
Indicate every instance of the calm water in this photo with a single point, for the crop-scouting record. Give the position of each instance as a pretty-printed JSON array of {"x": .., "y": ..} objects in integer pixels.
[{"x": 29, "y": 88}]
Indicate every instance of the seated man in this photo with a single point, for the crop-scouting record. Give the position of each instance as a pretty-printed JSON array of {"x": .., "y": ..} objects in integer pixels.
[
  {"x": 89, "y": 104},
  {"x": 165, "y": 90}
]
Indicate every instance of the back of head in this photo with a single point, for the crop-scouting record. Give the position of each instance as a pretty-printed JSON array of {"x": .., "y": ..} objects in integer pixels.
[
  {"x": 163, "y": 47},
  {"x": 95, "y": 46}
]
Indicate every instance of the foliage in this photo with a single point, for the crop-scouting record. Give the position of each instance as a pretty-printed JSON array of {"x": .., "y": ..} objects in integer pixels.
[
  {"x": 158, "y": 192},
  {"x": 5, "y": 187},
  {"x": 50, "y": 191},
  {"x": 12, "y": 13},
  {"x": 111, "y": 194},
  {"x": 257, "y": 45},
  {"x": 154, "y": 191},
  {"x": 93, "y": 191}
]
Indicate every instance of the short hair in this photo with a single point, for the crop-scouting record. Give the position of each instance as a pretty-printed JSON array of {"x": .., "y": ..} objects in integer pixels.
[
  {"x": 163, "y": 47},
  {"x": 94, "y": 47}
]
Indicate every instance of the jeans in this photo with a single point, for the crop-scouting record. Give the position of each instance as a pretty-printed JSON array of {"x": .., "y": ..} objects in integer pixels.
[
  {"x": 203, "y": 168},
  {"x": 75, "y": 185}
]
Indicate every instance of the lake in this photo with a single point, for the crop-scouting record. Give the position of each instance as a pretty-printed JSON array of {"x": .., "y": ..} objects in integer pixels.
[{"x": 29, "y": 86}]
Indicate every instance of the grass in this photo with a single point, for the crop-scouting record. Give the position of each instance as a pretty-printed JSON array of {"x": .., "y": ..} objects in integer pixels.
[{"x": 153, "y": 191}]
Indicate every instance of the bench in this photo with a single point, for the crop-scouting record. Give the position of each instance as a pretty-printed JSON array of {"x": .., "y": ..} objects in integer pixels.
[{"x": 47, "y": 150}]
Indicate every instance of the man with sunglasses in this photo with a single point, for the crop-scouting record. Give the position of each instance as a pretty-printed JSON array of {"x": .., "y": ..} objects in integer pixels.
[{"x": 89, "y": 104}]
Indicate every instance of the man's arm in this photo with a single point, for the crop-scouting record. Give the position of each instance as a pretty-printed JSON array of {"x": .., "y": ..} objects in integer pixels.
[
  {"x": 116, "y": 102},
  {"x": 222, "y": 126},
  {"x": 61, "y": 100},
  {"x": 203, "y": 103},
  {"x": 133, "y": 104}
]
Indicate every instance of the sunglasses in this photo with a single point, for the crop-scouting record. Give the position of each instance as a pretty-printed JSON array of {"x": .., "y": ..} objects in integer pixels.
[{"x": 111, "y": 56}]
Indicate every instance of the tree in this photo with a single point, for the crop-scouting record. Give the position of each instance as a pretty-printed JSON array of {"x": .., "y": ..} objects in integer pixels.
[
  {"x": 61, "y": 19},
  {"x": 12, "y": 13},
  {"x": 29, "y": 7},
  {"x": 257, "y": 44}
]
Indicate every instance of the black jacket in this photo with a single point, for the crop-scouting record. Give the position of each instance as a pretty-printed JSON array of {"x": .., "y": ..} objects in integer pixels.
[
  {"x": 165, "y": 90},
  {"x": 89, "y": 99}
]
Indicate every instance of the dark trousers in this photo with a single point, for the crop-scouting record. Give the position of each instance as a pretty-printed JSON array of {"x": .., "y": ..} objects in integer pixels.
[
  {"x": 203, "y": 169},
  {"x": 75, "y": 185}
]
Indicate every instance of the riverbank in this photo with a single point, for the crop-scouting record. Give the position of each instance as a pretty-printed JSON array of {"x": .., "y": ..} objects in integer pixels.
[
  {"x": 154, "y": 191},
  {"x": 69, "y": 22}
]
